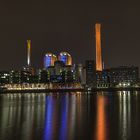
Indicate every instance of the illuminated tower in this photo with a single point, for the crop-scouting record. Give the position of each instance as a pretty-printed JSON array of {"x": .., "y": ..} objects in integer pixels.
[
  {"x": 49, "y": 60},
  {"x": 28, "y": 53},
  {"x": 99, "y": 66},
  {"x": 66, "y": 58}
]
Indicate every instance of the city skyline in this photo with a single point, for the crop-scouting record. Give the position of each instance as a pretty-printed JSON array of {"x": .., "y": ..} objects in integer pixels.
[
  {"x": 29, "y": 62},
  {"x": 69, "y": 70},
  {"x": 60, "y": 26}
]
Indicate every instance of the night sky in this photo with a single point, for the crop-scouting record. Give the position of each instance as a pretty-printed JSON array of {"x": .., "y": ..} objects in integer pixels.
[{"x": 55, "y": 26}]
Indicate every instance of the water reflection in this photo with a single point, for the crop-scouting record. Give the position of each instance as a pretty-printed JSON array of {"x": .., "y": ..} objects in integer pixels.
[
  {"x": 60, "y": 117},
  {"x": 19, "y": 114},
  {"x": 48, "y": 117},
  {"x": 99, "y": 116},
  {"x": 72, "y": 117},
  {"x": 101, "y": 121},
  {"x": 64, "y": 118},
  {"x": 125, "y": 114}
]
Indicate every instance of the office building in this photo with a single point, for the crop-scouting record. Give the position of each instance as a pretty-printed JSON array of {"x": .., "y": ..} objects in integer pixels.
[{"x": 90, "y": 73}]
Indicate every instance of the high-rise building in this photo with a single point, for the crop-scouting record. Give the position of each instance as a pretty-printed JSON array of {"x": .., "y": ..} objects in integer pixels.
[
  {"x": 15, "y": 77},
  {"x": 49, "y": 60},
  {"x": 124, "y": 74},
  {"x": 66, "y": 58},
  {"x": 26, "y": 76},
  {"x": 80, "y": 74},
  {"x": 58, "y": 66},
  {"x": 4, "y": 77},
  {"x": 90, "y": 73},
  {"x": 99, "y": 65},
  {"x": 43, "y": 76}
]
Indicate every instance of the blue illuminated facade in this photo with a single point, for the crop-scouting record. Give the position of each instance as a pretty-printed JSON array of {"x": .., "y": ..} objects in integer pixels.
[
  {"x": 65, "y": 58},
  {"x": 49, "y": 60}
]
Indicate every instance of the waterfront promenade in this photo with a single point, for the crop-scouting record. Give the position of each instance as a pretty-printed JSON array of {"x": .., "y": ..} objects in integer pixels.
[{"x": 46, "y": 88}]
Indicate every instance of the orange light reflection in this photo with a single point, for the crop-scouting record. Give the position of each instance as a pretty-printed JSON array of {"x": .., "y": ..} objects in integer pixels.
[{"x": 101, "y": 128}]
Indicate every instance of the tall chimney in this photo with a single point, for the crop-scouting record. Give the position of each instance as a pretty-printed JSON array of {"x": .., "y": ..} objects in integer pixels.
[
  {"x": 99, "y": 65},
  {"x": 28, "y": 53}
]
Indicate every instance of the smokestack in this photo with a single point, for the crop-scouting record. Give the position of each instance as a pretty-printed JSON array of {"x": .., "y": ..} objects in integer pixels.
[
  {"x": 28, "y": 53},
  {"x": 99, "y": 65}
]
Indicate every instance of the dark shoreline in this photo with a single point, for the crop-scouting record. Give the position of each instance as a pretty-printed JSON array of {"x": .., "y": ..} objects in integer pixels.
[
  {"x": 4, "y": 91},
  {"x": 41, "y": 91}
]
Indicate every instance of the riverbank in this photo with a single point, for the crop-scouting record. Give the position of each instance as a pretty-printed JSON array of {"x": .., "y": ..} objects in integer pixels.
[
  {"x": 41, "y": 90},
  {"x": 117, "y": 89},
  {"x": 4, "y": 91}
]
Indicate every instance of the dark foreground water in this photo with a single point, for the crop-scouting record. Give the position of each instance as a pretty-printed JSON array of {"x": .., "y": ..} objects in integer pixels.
[{"x": 100, "y": 116}]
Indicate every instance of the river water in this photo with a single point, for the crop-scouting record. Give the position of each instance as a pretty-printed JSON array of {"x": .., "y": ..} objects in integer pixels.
[{"x": 75, "y": 116}]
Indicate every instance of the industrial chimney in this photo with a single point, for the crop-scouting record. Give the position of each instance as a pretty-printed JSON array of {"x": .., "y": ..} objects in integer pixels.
[
  {"x": 28, "y": 53},
  {"x": 99, "y": 65}
]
